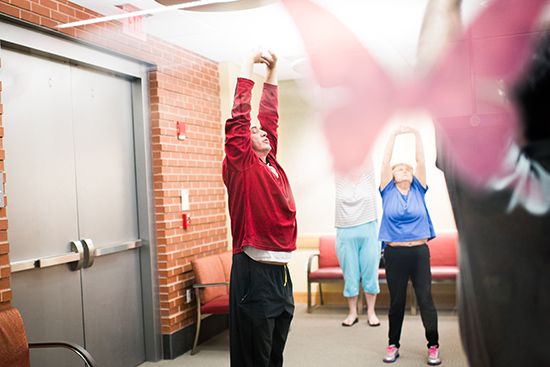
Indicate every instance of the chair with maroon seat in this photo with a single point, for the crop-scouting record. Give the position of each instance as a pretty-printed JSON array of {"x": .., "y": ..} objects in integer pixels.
[
  {"x": 328, "y": 270},
  {"x": 443, "y": 263},
  {"x": 443, "y": 257},
  {"x": 14, "y": 347},
  {"x": 211, "y": 286}
]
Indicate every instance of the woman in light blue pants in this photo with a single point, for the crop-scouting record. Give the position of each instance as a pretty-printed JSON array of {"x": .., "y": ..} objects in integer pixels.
[
  {"x": 357, "y": 245},
  {"x": 358, "y": 252}
]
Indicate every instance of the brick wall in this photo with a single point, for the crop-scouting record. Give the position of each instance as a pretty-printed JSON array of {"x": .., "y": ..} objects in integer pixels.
[
  {"x": 5, "y": 290},
  {"x": 183, "y": 86}
]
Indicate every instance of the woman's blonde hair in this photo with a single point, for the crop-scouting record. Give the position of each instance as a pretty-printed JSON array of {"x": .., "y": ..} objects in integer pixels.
[{"x": 408, "y": 166}]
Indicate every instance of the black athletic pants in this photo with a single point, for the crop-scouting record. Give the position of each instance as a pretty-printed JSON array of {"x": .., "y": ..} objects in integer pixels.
[
  {"x": 403, "y": 263},
  {"x": 261, "y": 307}
]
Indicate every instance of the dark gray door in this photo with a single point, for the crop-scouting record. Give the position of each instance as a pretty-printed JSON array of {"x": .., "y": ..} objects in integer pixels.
[{"x": 71, "y": 176}]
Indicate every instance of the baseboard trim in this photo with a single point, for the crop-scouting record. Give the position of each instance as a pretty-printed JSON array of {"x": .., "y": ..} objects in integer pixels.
[
  {"x": 444, "y": 296},
  {"x": 180, "y": 342}
]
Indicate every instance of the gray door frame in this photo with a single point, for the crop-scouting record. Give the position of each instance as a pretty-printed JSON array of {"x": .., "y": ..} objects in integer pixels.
[{"x": 15, "y": 34}]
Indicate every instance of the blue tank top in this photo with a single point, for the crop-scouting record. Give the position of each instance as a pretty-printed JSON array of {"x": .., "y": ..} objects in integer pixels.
[{"x": 405, "y": 217}]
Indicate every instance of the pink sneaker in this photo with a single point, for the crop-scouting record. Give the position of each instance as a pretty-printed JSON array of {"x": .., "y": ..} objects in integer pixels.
[
  {"x": 433, "y": 356},
  {"x": 392, "y": 353}
]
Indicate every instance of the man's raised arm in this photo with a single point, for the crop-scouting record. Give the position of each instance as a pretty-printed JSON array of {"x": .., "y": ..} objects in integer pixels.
[
  {"x": 268, "y": 113},
  {"x": 238, "y": 148}
]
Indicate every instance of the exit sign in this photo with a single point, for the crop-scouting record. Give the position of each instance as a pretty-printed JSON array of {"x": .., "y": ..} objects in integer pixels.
[{"x": 133, "y": 26}]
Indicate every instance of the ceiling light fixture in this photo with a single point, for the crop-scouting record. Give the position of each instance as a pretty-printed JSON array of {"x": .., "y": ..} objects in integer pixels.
[
  {"x": 179, "y": 6},
  {"x": 231, "y": 6}
]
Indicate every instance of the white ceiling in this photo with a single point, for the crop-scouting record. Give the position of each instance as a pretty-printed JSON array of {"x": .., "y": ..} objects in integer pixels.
[{"x": 389, "y": 28}]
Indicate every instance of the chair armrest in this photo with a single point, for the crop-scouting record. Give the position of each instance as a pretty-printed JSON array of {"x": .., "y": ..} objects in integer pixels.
[
  {"x": 310, "y": 261},
  {"x": 75, "y": 348},
  {"x": 206, "y": 285},
  {"x": 197, "y": 287}
]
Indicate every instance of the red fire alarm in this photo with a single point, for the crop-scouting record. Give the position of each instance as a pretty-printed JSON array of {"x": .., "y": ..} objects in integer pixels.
[
  {"x": 180, "y": 127},
  {"x": 186, "y": 219}
]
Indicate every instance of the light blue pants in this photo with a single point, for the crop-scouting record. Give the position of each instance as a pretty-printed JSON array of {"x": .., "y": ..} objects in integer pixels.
[{"x": 358, "y": 251}]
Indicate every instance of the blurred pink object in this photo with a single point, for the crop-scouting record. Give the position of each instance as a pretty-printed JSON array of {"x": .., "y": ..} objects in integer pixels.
[{"x": 465, "y": 91}]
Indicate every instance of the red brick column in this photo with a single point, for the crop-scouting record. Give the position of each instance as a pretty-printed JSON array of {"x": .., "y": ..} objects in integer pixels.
[{"x": 5, "y": 290}]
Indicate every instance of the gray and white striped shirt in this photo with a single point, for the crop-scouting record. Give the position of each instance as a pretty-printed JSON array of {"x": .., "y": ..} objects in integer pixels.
[{"x": 355, "y": 200}]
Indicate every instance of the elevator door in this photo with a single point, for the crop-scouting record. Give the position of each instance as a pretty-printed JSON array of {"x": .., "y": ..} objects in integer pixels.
[{"x": 70, "y": 169}]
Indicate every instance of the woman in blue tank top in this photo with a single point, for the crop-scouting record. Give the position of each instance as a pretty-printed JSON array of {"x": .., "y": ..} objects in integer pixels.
[{"x": 405, "y": 229}]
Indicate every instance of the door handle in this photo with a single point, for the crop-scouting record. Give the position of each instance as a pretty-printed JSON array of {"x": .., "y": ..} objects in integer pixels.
[
  {"x": 89, "y": 252},
  {"x": 82, "y": 256},
  {"x": 75, "y": 258},
  {"x": 118, "y": 248},
  {"x": 22, "y": 265}
]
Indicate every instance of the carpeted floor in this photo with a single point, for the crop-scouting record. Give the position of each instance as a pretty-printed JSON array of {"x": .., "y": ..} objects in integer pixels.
[{"x": 318, "y": 340}]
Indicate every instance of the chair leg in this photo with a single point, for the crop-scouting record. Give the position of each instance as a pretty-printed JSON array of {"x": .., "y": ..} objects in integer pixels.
[
  {"x": 308, "y": 296},
  {"x": 321, "y": 294},
  {"x": 199, "y": 317},
  {"x": 194, "y": 350}
]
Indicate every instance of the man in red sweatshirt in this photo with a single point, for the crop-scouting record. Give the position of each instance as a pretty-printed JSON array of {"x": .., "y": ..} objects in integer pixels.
[{"x": 263, "y": 225}]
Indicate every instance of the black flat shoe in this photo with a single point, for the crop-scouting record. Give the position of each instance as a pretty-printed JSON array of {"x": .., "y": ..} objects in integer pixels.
[{"x": 353, "y": 323}]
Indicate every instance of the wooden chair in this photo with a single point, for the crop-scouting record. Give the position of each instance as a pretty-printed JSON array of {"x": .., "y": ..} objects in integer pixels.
[
  {"x": 211, "y": 287},
  {"x": 14, "y": 347}
]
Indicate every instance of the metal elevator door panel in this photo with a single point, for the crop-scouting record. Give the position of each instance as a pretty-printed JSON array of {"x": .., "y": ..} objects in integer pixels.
[
  {"x": 103, "y": 129},
  {"x": 107, "y": 212},
  {"x": 42, "y": 205},
  {"x": 70, "y": 167}
]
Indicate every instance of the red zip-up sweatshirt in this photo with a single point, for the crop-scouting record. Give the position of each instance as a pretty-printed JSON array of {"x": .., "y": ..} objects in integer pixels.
[{"x": 261, "y": 206}]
